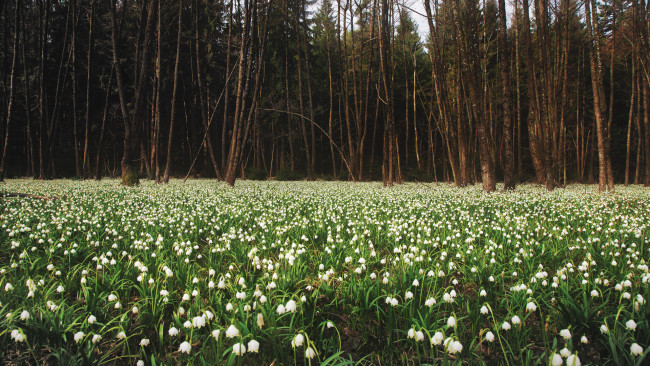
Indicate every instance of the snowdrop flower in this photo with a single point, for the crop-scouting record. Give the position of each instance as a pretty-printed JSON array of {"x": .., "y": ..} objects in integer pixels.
[
  {"x": 409, "y": 295},
  {"x": 455, "y": 347},
  {"x": 636, "y": 350},
  {"x": 17, "y": 335},
  {"x": 198, "y": 322},
  {"x": 8, "y": 287},
  {"x": 186, "y": 297},
  {"x": 78, "y": 336},
  {"x": 253, "y": 346},
  {"x": 437, "y": 339},
  {"x": 411, "y": 333},
  {"x": 330, "y": 324},
  {"x": 489, "y": 336},
  {"x": 573, "y": 360},
  {"x": 112, "y": 297},
  {"x": 630, "y": 324},
  {"x": 24, "y": 315},
  {"x": 185, "y": 348},
  {"x": 451, "y": 321},
  {"x": 260, "y": 321},
  {"x": 91, "y": 319},
  {"x": 484, "y": 310},
  {"x": 232, "y": 332},
  {"x": 187, "y": 324},
  {"x": 229, "y": 307},
  {"x": 310, "y": 353},
  {"x": 604, "y": 329},
  {"x": 531, "y": 306},
  {"x": 291, "y": 306},
  {"x": 564, "y": 352},
  {"x": 280, "y": 310},
  {"x": 419, "y": 335},
  {"x": 96, "y": 338},
  {"x": 566, "y": 334},
  {"x": 594, "y": 293},
  {"x": 483, "y": 293},
  {"x": 215, "y": 334},
  {"x": 557, "y": 360},
  {"x": 297, "y": 341},
  {"x": 416, "y": 283},
  {"x": 144, "y": 342},
  {"x": 394, "y": 302},
  {"x": 239, "y": 349},
  {"x": 506, "y": 326},
  {"x": 584, "y": 340},
  {"x": 121, "y": 335}
]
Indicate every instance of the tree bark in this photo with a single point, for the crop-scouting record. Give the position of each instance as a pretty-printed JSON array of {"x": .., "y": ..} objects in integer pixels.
[{"x": 509, "y": 163}]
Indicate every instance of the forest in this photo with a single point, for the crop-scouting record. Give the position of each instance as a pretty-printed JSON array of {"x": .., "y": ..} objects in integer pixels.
[{"x": 546, "y": 92}]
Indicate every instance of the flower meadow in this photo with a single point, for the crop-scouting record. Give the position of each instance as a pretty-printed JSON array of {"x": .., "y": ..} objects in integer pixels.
[{"x": 325, "y": 273}]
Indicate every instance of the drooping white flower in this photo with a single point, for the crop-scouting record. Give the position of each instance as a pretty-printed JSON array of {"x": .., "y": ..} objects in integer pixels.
[
  {"x": 584, "y": 340},
  {"x": 636, "y": 350},
  {"x": 291, "y": 306},
  {"x": 239, "y": 349},
  {"x": 310, "y": 353},
  {"x": 17, "y": 335},
  {"x": 96, "y": 338},
  {"x": 144, "y": 342},
  {"x": 253, "y": 346},
  {"x": 484, "y": 310},
  {"x": 437, "y": 339},
  {"x": 24, "y": 315},
  {"x": 454, "y": 347},
  {"x": 419, "y": 335},
  {"x": 78, "y": 336},
  {"x": 573, "y": 360},
  {"x": 215, "y": 334},
  {"x": 430, "y": 302},
  {"x": 260, "y": 321},
  {"x": 489, "y": 336},
  {"x": 531, "y": 306},
  {"x": 121, "y": 335},
  {"x": 604, "y": 329},
  {"x": 280, "y": 310},
  {"x": 297, "y": 341},
  {"x": 451, "y": 321},
  {"x": 516, "y": 320},
  {"x": 506, "y": 326},
  {"x": 408, "y": 295},
  {"x": 232, "y": 332},
  {"x": 185, "y": 347},
  {"x": 91, "y": 319},
  {"x": 564, "y": 352},
  {"x": 566, "y": 334},
  {"x": 557, "y": 360},
  {"x": 173, "y": 331},
  {"x": 630, "y": 324}
]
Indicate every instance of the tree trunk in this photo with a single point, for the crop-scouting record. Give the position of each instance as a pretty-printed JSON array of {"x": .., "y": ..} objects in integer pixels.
[
  {"x": 509, "y": 163},
  {"x": 91, "y": 43},
  {"x": 12, "y": 76}
]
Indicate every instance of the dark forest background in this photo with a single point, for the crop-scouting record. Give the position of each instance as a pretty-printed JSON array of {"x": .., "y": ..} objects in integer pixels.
[{"x": 552, "y": 92}]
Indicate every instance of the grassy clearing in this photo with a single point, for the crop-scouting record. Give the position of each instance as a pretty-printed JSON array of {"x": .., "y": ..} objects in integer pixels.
[{"x": 323, "y": 273}]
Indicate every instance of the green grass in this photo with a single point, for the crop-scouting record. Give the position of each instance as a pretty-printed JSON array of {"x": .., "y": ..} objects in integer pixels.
[{"x": 373, "y": 273}]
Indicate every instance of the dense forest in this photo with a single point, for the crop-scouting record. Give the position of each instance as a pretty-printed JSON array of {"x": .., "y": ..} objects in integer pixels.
[{"x": 549, "y": 92}]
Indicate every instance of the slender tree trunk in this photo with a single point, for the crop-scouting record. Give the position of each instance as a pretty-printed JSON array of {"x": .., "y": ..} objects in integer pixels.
[
  {"x": 509, "y": 164},
  {"x": 100, "y": 144},
  {"x": 629, "y": 123},
  {"x": 91, "y": 43},
  {"x": 12, "y": 77},
  {"x": 172, "y": 116}
]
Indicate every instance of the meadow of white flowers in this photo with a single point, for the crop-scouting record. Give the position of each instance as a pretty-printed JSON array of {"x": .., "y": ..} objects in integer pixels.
[{"x": 322, "y": 273}]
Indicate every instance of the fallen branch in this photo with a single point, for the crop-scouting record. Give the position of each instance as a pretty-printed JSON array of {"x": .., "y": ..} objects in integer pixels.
[{"x": 26, "y": 195}]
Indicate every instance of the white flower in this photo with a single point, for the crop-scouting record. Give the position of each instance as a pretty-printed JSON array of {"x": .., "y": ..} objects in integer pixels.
[
  {"x": 584, "y": 340},
  {"x": 394, "y": 302},
  {"x": 24, "y": 315},
  {"x": 566, "y": 334},
  {"x": 411, "y": 333},
  {"x": 483, "y": 293},
  {"x": 573, "y": 360},
  {"x": 215, "y": 334},
  {"x": 229, "y": 307},
  {"x": 437, "y": 339},
  {"x": 187, "y": 324},
  {"x": 630, "y": 324},
  {"x": 17, "y": 335},
  {"x": 8, "y": 287},
  {"x": 140, "y": 363},
  {"x": 260, "y": 321},
  {"x": 253, "y": 346},
  {"x": 198, "y": 322},
  {"x": 430, "y": 302},
  {"x": 78, "y": 336},
  {"x": 557, "y": 360},
  {"x": 232, "y": 332},
  {"x": 144, "y": 342},
  {"x": 310, "y": 353},
  {"x": 121, "y": 335},
  {"x": 185, "y": 347},
  {"x": 506, "y": 326},
  {"x": 297, "y": 341},
  {"x": 91, "y": 319},
  {"x": 594, "y": 293},
  {"x": 239, "y": 349},
  {"x": 564, "y": 352},
  {"x": 484, "y": 310},
  {"x": 173, "y": 331},
  {"x": 291, "y": 306},
  {"x": 409, "y": 295},
  {"x": 280, "y": 310},
  {"x": 112, "y": 297},
  {"x": 531, "y": 306},
  {"x": 135, "y": 310},
  {"x": 451, "y": 321},
  {"x": 636, "y": 350},
  {"x": 604, "y": 329},
  {"x": 96, "y": 338},
  {"x": 489, "y": 336},
  {"x": 455, "y": 347},
  {"x": 416, "y": 283},
  {"x": 419, "y": 335}
]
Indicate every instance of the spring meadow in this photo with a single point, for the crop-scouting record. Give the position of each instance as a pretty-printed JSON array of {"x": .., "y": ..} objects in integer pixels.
[{"x": 328, "y": 273}]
